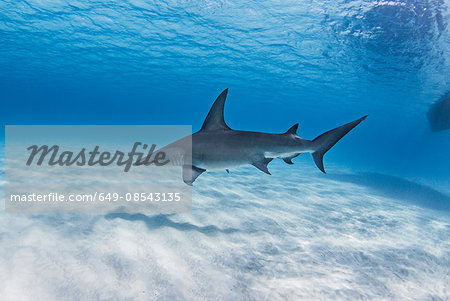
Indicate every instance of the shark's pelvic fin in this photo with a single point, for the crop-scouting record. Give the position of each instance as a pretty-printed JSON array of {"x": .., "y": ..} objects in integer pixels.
[
  {"x": 326, "y": 141},
  {"x": 262, "y": 165},
  {"x": 293, "y": 129},
  {"x": 288, "y": 160},
  {"x": 215, "y": 120},
  {"x": 190, "y": 173}
]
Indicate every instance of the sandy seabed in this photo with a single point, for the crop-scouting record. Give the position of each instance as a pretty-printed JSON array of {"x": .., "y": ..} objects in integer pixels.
[{"x": 297, "y": 234}]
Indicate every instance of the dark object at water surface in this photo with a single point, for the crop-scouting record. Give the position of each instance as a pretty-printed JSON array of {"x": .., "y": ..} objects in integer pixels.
[{"x": 439, "y": 114}]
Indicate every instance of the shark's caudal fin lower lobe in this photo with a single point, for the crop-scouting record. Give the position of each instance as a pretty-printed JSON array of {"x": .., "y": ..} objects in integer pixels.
[{"x": 326, "y": 141}]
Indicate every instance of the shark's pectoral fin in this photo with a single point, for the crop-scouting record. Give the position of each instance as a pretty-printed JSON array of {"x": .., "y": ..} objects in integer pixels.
[
  {"x": 190, "y": 173},
  {"x": 262, "y": 165},
  {"x": 288, "y": 160}
]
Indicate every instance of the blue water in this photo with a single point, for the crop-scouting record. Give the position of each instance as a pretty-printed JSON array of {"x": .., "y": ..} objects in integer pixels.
[{"x": 376, "y": 226}]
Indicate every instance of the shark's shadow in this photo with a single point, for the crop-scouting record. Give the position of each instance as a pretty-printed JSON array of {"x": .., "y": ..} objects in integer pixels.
[
  {"x": 163, "y": 220},
  {"x": 402, "y": 189}
]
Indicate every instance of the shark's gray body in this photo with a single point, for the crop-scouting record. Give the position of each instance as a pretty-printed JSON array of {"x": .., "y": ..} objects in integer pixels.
[
  {"x": 216, "y": 146},
  {"x": 242, "y": 148}
]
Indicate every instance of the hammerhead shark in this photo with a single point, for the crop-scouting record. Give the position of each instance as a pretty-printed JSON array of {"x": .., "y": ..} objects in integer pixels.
[{"x": 217, "y": 146}]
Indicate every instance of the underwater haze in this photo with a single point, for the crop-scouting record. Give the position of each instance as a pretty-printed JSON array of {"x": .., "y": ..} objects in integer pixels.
[{"x": 376, "y": 226}]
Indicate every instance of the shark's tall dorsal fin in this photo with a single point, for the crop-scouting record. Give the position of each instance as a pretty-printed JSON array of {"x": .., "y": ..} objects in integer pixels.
[
  {"x": 293, "y": 129},
  {"x": 214, "y": 120}
]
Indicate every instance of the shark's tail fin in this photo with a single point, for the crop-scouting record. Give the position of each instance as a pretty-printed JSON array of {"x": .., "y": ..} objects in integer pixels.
[{"x": 326, "y": 141}]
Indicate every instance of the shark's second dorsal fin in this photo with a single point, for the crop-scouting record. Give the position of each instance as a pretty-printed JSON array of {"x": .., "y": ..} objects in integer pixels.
[
  {"x": 214, "y": 120},
  {"x": 293, "y": 129}
]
